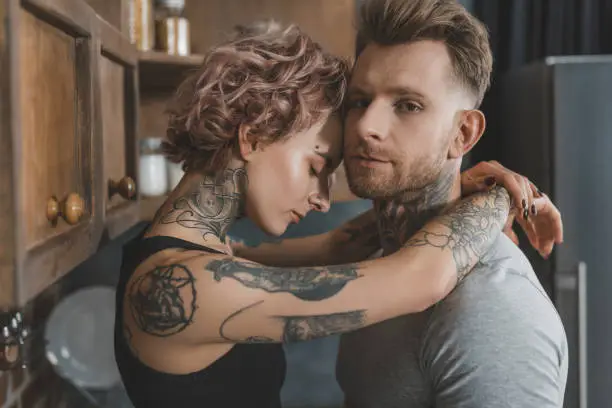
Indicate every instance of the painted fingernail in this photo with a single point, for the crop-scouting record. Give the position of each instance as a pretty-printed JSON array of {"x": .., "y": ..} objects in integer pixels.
[
  {"x": 525, "y": 214},
  {"x": 490, "y": 181},
  {"x": 524, "y": 203},
  {"x": 533, "y": 209}
]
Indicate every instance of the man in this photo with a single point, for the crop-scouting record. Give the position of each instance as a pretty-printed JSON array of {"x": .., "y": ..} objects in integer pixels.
[{"x": 422, "y": 69}]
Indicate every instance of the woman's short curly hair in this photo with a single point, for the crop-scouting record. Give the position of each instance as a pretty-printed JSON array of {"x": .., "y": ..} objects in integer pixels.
[{"x": 277, "y": 83}]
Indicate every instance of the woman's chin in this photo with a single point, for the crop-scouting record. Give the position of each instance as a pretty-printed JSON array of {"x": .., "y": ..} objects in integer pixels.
[{"x": 275, "y": 230}]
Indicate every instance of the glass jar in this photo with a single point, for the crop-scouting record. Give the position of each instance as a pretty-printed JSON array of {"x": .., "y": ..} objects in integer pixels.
[
  {"x": 175, "y": 174},
  {"x": 172, "y": 28},
  {"x": 152, "y": 174},
  {"x": 141, "y": 24}
]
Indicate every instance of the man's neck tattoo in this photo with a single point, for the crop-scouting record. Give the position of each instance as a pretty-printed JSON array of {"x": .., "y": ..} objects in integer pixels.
[
  {"x": 400, "y": 218},
  {"x": 212, "y": 205}
]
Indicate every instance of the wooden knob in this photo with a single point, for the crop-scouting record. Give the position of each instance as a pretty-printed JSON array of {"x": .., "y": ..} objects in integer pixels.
[
  {"x": 126, "y": 188},
  {"x": 70, "y": 209}
]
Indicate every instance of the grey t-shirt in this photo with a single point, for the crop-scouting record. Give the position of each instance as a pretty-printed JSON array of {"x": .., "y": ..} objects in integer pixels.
[{"x": 495, "y": 341}]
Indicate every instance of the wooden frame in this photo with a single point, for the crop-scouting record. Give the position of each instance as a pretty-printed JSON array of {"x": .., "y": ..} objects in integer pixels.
[
  {"x": 7, "y": 203},
  {"x": 37, "y": 267},
  {"x": 116, "y": 47}
]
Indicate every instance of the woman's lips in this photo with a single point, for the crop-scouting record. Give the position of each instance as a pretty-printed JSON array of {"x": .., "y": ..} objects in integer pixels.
[{"x": 297, "y": 217}]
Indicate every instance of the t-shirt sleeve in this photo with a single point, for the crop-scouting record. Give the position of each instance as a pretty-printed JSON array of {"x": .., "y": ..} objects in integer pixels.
[{"x": 498, "y": 344}]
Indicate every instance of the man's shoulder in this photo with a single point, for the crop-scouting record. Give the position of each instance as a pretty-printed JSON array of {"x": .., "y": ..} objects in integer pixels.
[
  {"x": 502, "y": 269},
  {"x": 502, "y": 297}
]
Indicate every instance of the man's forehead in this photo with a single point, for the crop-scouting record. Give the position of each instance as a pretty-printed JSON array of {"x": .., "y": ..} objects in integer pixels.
[{"x": 422, "y": 66}]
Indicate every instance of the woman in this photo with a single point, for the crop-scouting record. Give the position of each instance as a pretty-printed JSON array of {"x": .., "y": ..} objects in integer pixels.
[{"x": 258, "y": 131}]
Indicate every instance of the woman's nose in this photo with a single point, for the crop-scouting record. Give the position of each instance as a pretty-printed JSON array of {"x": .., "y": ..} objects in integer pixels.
[{"x": 319, "y": 203}]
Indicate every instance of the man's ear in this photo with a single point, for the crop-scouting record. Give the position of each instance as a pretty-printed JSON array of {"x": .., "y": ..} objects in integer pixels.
[
  {"x": 471, "y": 127},
  {"x": 246, "y": 142}
]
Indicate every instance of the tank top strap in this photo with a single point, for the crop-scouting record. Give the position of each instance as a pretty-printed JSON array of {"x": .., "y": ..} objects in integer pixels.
[{"x": 135, "y": 252}]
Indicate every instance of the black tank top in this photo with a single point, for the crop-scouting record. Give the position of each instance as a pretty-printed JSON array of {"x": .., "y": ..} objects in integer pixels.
[{"x": 249, "y": 375}]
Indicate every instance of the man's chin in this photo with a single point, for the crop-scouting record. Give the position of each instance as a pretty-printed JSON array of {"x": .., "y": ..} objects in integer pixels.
[{"x": 368, "y": 190}]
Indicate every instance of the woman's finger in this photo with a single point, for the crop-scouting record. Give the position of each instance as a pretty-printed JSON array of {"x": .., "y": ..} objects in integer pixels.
[{"x": 527, "y": 203}]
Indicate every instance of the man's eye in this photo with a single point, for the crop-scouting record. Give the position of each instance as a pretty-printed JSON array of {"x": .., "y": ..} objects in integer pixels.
[{"x": 406, "y": 106}]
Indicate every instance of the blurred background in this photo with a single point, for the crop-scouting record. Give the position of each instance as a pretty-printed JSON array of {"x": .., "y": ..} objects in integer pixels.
[{"x": 102, "y": 71}]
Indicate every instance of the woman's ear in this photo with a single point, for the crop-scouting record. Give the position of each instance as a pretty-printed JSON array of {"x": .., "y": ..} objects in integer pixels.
[
  {"x": 471, "y": 128},
  {"x": 246, "y": 142}
]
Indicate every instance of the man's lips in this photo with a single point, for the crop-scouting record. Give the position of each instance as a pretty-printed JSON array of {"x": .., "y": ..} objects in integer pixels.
[{"x": 369, "y": 161}]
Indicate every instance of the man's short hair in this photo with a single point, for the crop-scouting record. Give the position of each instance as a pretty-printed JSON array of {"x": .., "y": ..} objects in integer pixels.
[{"x": 393, "y": 22}]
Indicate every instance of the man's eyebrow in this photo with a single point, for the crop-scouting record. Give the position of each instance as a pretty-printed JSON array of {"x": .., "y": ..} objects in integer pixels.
[
  {"x": 405, "y": 91},
  {"x": 396, "y": 90}
]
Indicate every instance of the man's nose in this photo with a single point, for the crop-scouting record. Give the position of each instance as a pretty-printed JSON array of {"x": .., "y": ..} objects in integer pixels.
[{"x": 374, "y": 122}]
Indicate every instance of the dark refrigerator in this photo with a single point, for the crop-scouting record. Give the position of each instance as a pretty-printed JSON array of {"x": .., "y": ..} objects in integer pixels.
[{"x": 557, "y": 131}]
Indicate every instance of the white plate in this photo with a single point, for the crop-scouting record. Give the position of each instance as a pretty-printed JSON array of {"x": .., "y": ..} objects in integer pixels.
[{"x": 79, "y": 338}]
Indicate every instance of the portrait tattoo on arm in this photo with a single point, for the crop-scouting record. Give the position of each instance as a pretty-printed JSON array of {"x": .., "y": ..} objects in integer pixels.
[
  {"x": 306, "y": 283},
  {"x": 471, "y": 224}
]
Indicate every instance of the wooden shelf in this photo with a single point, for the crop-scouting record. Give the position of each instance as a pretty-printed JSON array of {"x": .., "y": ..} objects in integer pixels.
[
  {"x": 161, "y": 58},
  {"x": 163, "y": 72}
]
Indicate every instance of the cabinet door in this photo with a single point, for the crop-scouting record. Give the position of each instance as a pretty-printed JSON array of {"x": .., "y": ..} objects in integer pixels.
[
  {"x": 54, "y": 135},
  {"x": 117, "y": 67}
]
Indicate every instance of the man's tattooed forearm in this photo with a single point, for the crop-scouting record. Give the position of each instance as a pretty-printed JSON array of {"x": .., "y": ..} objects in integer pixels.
[
  {"x": 472, "y": 224},
  {"x": 163, "y": 300},
  {"x": 300, "y": 328},
  {"x": 307, "y": 283},
  {"x": 366, "y": 236},
  {"x": 211, "y": 206}
]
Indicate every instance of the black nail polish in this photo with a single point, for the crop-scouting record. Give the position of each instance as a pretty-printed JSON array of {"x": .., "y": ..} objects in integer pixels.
[
  {"x": 524, "y": 203},
  {"x": 490, "y": 181},
  {"x": 533, "y": 209},
  {"x": 525, "y": 214}
]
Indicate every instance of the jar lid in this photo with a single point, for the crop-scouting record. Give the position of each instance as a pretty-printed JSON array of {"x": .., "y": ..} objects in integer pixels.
[
  {"x": 176, "y": 4},
  {"x": 151, "y": 145}
]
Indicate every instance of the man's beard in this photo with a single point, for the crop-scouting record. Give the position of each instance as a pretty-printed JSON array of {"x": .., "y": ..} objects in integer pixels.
[{"x": 393, "y": 180}]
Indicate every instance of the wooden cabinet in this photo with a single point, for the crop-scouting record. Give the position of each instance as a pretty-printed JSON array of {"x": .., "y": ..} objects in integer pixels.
[
  {"x": 68, "y": 106},
  {"x": 52, "y": 221},
  {"x": 118, "y": 87}
]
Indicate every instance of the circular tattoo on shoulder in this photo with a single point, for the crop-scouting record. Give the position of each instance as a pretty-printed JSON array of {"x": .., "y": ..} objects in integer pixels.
[{"x": 163, "y": 301}]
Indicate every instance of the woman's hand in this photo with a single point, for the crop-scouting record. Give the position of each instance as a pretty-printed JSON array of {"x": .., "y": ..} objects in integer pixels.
[{"x": 531, "y": 208}]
